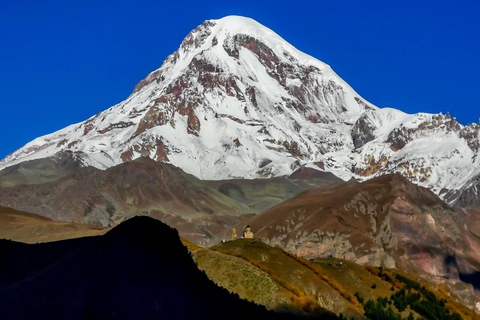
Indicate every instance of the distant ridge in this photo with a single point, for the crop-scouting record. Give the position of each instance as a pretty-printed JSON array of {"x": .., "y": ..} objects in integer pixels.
[{"x": 199, "y": 209}]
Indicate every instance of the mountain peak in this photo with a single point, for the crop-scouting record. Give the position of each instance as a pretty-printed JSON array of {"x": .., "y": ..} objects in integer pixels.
[
  {"x": 238, "y": 101},
  {"x": 238, "y": 24},
  {"x": 233, "y": 25},
  {"x": 238, "y": 21}
]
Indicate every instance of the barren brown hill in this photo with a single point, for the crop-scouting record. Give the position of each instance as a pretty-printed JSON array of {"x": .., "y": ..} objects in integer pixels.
[
  {"x": 262, "y": 194},
  {"x": 143, "y": 187},
  {"x": 32, "y": 228},
  {"x": 386, "y": 221},
  {"x": 198, "y": 209},
  {"x": 40, "y": 170}
]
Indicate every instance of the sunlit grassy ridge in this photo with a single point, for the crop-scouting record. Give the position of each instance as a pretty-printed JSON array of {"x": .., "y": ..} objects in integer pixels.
[
  {"x": 31, "y": 228},
  {"x": 298, "y": 287}
]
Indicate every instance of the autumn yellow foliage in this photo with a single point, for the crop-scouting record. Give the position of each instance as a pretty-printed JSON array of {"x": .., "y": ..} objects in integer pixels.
[
  {"x": 307, "y": 303},
  {"x": 324, "y": 276}
]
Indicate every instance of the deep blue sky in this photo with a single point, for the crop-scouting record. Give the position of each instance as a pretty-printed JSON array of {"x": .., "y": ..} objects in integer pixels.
[{"x": 64, "y": 61}]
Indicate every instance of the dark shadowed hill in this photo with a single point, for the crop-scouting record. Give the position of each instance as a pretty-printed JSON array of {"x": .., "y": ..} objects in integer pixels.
[{"x": 139, "y": 270}]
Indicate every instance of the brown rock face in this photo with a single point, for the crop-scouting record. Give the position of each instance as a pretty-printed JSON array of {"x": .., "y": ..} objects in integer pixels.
[
  {"x": 193, "y": 123},
  {"x": 237, "y": 143},
  {"x": 127, "y": 155},
  {"x": 252, "y": 95},
  {"x": 373, "y": 167},
  {"x": 72, "y": 144},
  {"x": 161, "y": 152},
  {"x": 88, "y": 127},
  {"x": 150, "y": 78},
  {"x": 119, "y": 125},
  {"x": 154, "y": 117},
  {"x": 61, "y": 143}
]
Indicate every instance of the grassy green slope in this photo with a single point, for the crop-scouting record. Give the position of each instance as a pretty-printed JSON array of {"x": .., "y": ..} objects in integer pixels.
[
  {"x": 239, "y": 276},
  {"x": 279, "y": 280},
  {"x": 272, "y": 277}
]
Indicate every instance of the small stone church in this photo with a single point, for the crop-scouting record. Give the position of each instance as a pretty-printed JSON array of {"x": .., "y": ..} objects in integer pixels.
[{"x": 247, "y": 234}]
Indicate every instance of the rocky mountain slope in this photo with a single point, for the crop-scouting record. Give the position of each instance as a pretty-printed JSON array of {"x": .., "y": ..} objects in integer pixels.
[
  {"x": 128, "y": 273},
  {"x": 237, "y": 101},
  {"x": 40, "y": 171},
  {"x": 199, "y": 209},
  {"x": 141, "y": 187},
  {"x": 384, "y": 221}
]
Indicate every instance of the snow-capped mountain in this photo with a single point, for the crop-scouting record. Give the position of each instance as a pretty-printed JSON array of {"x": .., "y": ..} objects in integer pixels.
[{"x": 236, "y": 100}]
